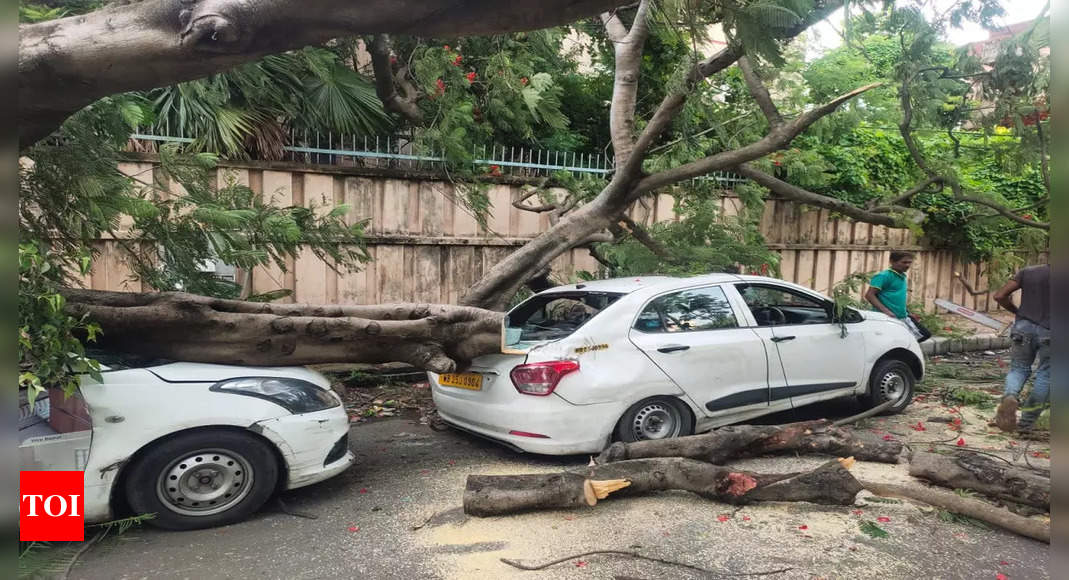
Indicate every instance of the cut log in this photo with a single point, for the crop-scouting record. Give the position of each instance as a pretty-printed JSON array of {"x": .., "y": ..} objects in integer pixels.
[
  {"x": 739, "y": 441},
  {"x": 983, "y": 474},
  {"x": 178, "y": 326},
  {"x": 494, "y": 495},
  {"x": 973, "y": 508}
]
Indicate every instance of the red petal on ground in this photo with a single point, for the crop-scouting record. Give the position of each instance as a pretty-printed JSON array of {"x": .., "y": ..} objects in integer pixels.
[
  {"x": 887, "y": 437},
  {"x": 580, "y": 564},
  {"x": 745, "y": 518},
  {"x": 354, "y": 528},
  {"x": 858, "y": 512},
  {"x": 1001, "y": 576},
  {"x": 1004, "y": 563},
  {"x": 722, "y": 518},
  {"x": 961, "y": 442},
  {"x": 803, "y": 527},
  {"x": 363, "y": 490},
  {"x": 883, "y": 519}
]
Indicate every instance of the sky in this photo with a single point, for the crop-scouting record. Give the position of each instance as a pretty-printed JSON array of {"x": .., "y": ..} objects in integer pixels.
[{"x": 823, "y": 36}]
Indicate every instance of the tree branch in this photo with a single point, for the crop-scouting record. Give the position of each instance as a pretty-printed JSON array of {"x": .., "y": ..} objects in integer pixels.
[
  {"x": 643, "y": 237},
  {"x": 627, "y": 49},
  {"x": 1002, "y": 210},
  {"x": 776, "y": 138},
  {"x": 386, "y": 81},
  {"x": 65, "y": 64},
  {"x": 795, "y": 193},
  {"x": 760, "y": 93}
]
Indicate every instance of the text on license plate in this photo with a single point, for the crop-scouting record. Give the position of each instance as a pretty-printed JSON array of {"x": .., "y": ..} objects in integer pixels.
[{"x": 470, "y": 381}]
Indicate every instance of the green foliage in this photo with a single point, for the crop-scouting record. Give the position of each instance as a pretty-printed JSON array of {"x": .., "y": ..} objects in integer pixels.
[
  {"x": 973, "y": 398},
  {"x": 250, "y": 108},
  {"x": 870, "y": 529},
  {"x": 956, "y": 518},
  {"x": 50, "y": 355},
  {"x": 701, "y": 241}
]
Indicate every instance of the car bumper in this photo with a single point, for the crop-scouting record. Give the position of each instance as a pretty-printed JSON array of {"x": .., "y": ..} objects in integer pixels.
[
  {"x": 569, "y": 428},
  {"x": 306, "y": 441}
]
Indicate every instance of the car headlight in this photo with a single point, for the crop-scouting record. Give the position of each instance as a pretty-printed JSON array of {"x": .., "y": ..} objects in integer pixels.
[{"x": 294, "y": 395}]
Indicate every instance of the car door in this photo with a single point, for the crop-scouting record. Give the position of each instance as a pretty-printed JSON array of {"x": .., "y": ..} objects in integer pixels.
[
  {"x": 696, "y": 338},
  {"x": 820, "y": 360}
]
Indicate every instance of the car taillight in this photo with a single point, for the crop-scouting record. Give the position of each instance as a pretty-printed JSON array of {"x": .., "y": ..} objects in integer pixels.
[{"x": 540, "y": 379}]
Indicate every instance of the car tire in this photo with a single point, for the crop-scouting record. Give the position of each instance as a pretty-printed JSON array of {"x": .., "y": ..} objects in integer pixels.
[
  {"x": 890, "y": 379},
  {"x": 655, "y": 418},
  {"x": 202, "y": 479}
]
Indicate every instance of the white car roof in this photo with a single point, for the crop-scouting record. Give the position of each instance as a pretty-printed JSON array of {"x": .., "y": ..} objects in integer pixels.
[{"x": 661, "y": 283}]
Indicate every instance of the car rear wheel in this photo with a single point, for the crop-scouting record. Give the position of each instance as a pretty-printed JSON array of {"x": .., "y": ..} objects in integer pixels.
[
  {"x": 655, "y": 418},
  {"x": 202, "y": 479},
  {"x": 891, "y": 380}
]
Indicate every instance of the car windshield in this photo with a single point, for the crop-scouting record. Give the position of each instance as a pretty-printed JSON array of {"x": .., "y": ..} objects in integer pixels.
[{"x": 554, "y": 316}]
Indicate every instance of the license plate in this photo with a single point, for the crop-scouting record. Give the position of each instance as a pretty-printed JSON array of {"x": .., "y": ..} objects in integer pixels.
[{"x": 470, "y": 381}]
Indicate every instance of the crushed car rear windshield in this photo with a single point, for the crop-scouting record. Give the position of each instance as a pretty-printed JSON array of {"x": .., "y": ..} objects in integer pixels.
[{"x": 556, "y": 315}]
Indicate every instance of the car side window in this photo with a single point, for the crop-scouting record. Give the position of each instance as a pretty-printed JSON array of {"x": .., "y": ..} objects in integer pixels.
[
  {"x": 688, "y": 311},
  {"x": 774, "y": 306}
]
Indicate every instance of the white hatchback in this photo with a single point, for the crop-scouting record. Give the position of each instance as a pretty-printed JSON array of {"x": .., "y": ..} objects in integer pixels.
[
  {"x": 198, "y": 445},
  {"x": 657, "y": 357}
]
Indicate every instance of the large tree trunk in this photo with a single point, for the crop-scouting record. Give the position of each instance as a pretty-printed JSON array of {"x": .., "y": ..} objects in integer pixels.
[
  {"x": 491, "y": 495},
  {"x": 740, "y": 441},
  {"x": 68, "y": 63},
  {"x": 186, "y": 327},
  {"x": 967, "y": 470}
]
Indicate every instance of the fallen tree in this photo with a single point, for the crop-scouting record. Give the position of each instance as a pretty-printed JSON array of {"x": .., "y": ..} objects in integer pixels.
[
  {"x": 491, "y": 495},
  {"x": 983, "y": 474},
  {"x": 187, "y": 327},
  {"x": 739, "y": 441}
]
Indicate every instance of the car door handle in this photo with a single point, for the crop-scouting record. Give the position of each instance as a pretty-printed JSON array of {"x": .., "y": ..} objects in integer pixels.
[
  {"x": 673, "y": 348},
  {"x": 782, "y": 338}
]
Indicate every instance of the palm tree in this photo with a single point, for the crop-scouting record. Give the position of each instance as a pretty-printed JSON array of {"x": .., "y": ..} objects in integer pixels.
[{"x": 246, "y": 112}]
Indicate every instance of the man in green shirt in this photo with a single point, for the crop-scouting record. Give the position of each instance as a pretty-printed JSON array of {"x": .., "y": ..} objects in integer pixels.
[{"x": 889, "y": 289}]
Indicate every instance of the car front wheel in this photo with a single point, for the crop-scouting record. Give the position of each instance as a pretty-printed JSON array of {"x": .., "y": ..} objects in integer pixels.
[
  {"x": 655, "y": 418},
  {"x": 891, "y": 380},
  {"x": 202, "y": 479}
]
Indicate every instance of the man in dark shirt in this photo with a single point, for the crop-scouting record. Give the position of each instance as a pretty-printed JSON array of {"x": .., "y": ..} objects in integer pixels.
[{"x": 1031, "y": 341}]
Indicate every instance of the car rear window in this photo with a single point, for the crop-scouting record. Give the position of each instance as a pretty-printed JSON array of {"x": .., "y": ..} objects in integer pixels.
[{"x": 554, "y": 316}]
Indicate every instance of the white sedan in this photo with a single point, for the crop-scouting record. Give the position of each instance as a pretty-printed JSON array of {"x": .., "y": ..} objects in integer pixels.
[
  {"x": 198, "y": 445},
  {"x": 657, "y": 357}
]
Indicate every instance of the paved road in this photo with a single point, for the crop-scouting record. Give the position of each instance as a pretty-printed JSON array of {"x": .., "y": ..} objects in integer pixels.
[{"x": 406, "y": 473}]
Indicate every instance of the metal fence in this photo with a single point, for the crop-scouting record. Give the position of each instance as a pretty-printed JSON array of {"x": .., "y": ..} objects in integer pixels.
[{"x": 407, "y": 152}]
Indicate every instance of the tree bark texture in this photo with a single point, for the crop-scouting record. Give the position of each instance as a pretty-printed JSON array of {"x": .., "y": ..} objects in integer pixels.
[
  {"x": 734, "y": 442},
  {"x": 438, "y": 338},
  {"x": 973, "y": 508},
  {"x": 65, "y": 64},
  {"x": 965, "y": 470},
  {"x": 491, "y": 495}
]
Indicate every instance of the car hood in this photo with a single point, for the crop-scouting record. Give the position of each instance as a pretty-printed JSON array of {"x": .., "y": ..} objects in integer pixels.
[
  {"x": 873, "y": 315},
  {"x": 185, "y": 372}
]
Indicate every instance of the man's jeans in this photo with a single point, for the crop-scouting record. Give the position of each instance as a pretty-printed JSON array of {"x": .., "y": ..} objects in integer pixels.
[{"x": 1030, "y": 341}]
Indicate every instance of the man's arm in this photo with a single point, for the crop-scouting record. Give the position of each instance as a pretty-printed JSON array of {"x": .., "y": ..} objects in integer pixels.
[
  {"x": 1002, "y": 296},
  {"x": 872, "y": 295}
]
